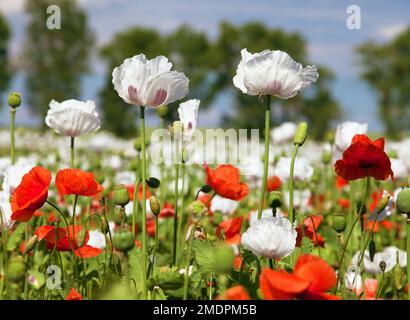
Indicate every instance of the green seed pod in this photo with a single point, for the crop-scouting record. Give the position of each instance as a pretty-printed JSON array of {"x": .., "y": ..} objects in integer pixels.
[
  {"x": 224, "y": 258},
  {"x": 275, "y": 199},
  {"x": 16, "y": 269},
  {"x": 196, "y": 209},
  {"x": 14, "y": 99},
  {"x": 403, "y": 201},
  {"x": 301, "y": 134},
  {"x": 123, "y": 239},
  {"x": 138, "y": 143},
  {"x": 119, "y": 215},
  {"x": 384, "y": 201},
  {"x": 153, "y": 182},
  {"x": 30, "y": 244},
  {"x": 121, "y": 195},
  {"x": 36, "y": 280},
  {"x": 397, "y": 277},
  {"x": 372, "y": 249},
  {"x": 155, "y": 205},
  {"x": 339, "y": 222}
]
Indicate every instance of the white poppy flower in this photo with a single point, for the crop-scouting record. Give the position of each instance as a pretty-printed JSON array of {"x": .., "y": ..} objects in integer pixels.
[
  {"x": 302, "y": 171},
  {"x": 13, "y": 175},
  {"x": 188, "y": 114},
  {"x": 284, "y": 133},
  {"x": 97, "y": 239},
  {"x": 73, "y": 118},
  {"x": 149, "y": 83},
  {"x": 223, "y": 205},
  {"x": 270, "y": 238},
  {"x": 266, "y": 214},
  {"x": 345, "y": 133},
  {"x": 353, "y": 279},
  {"x": 272, "y": 73},
  {"x": 5, "y": 210}
]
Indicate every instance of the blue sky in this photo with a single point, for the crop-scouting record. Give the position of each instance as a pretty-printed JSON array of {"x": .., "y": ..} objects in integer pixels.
[{"x": 321, "y": 22}]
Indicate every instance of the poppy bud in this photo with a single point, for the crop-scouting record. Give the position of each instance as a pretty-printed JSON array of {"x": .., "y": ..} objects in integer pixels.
[
  {"x": 372, "y": 249},
  {"x": 155, "y": 205},
  {"x": 206, "y": 189},
  {"x": 197, "y": 209},
  {"x": 16, "y": 269},
  {"x": 384, "y": 201},
  {"x": 397, "y": 277},
  {"x": 153, "y": 182},
  {"x": 81, "y": 235},
  {"x": 382, "y": 266},
  {"x": 138, "y": 143},
  {"x": 123, "y": 239},
  {"x": 29, "y": 245},
  {"x": 224, "y": 258},
  {"x": 275, "y": 199},
  {"x": 121, "y": 195},
  {"x": 162, "y": 111},
  {"x": 326, "y": 157},
  {"x": 14, "y": 99},
  {"x": 339, "y": 222},
  {"x": 119, "y": 215},
  {"x": 403, "y": 201},
  {"x": 301, "y": 134},
  {"x": 105, "y": 227},
  {"x": 36, "y": 280}
]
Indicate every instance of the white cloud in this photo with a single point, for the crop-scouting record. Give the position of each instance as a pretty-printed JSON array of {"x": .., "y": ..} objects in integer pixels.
[{"x": 392, "y": 30}]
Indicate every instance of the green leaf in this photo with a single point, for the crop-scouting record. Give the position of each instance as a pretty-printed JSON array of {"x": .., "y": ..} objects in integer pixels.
[
  {"x": 204, "y": 256},
  {"x": 136, "y": 268},
  {"x": 307, "y": 245},
  {"x": 16, "y": 238}
]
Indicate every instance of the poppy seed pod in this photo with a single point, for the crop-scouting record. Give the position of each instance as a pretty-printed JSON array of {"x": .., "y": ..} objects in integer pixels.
[
  {"x": 339, "y": 222},
  {"x": 275, "y": 199},
  {"x": 123, "y": 239},
  {"x": 153, "y": 182},
  {"x": 30, "y": 244},
  {"x": 301, "y": 134},
  {"x": 155, "y": 205},
  {"x": 397, "y": 277},
  {"x": 121, "y": 195},
  {"x": 224, "y": 258},
  {"x": 14, "y": 99},
  {"x": 196, "y": 209},
  {"x": 16, "y": 269},
  {"x": 403, "y": 201},
  {"x": 138, "y": 143}
]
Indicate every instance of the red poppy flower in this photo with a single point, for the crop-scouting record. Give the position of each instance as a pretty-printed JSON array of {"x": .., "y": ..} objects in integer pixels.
[
  {"x": 235, "y": 293},
  {"x": 231, "y": 228},
  {"x": 31, "y": 194},
  {"x": 77, "y": 182},
  {"x": 341, "y": 183},
  {"x": 310, "y": 280},
  {"x": 344, "y": 203},
  {"x": 50, "y": 234},
  {"x": 74, "y": 295},
  {"x": 370, "y": 289},
  {"x": 225, "y": 180},
  {"x": 310, "y": 231},
  {"x": 167, "y": 211},
  {"x": 364, "y": 158},
  {"x": 274, "y": 183}
]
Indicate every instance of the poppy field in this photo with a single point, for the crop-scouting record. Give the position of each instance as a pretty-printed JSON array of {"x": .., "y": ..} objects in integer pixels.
[{"x": 87, "y": 216}]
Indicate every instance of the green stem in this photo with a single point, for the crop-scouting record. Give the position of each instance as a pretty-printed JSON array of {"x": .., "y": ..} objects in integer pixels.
[
  {"x": 408, "y": 256},
  {"x": 266, "y": 159},
  {"x": 12, "y": 139},
  {"x": 292, "y": 170},
  {"x": 174, "y": 251},
  {"x": 156, "y": 243},
  {"x": 186, "y": 276},
  {"x": 72, "y": 163},
  {"x": 181, "y": 218},
  {"x": 144, "y": 203},
  {"x": 135, "y": 205}
]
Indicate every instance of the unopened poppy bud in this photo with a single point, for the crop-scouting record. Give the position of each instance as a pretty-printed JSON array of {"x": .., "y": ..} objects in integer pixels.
[
  {"x": 119, "y": 215},
  {"x": 36, "y": 280},
  {"x": 301, "y": 134},
  {"x": 29, "y": 245},
  {"x": 121, "y": 195},
  {"x": 155, "y": 205},
  {"x": 397, "y": 277},
  {"x": 326, "y": 157},
  {"x": 206, "y": 189},
  {"x": 16, "y": 269},
  {"x": 384, "y": 201},
  {"x": 123, "y": 239},
  {"x": 372, "y": 249},
  {"x": 224, "y": 258},
  {"x": 177, "y": 129},
  {"x": 197, "y": 209},
  {"x": 382, "y": 266},
  {"x": 14, "y": 99},
  {"x": 162, "y": 111},
  {"x": 403, "y": 201},
  {"x": 105, "y": 227},
  {"x": 275, "y": 199},
  {"x": 153, "y": 182},
  {"x": 81, "y": 236},
  {"x": 339, "y": 222}
]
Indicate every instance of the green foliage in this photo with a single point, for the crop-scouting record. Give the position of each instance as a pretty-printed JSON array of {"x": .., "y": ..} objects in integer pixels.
[
  {"x": 204, "y": 256},
  {"x": 386, "y": 68},
  {"x": 4, "y": 65},
  {"x": 16, "y": 237},
  {"x": 55, "y": 60}
]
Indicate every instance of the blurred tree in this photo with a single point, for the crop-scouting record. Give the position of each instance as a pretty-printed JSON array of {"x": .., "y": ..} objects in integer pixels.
[
  {"x": 4, "y": 65},
  {"x": 386, "y": 67},
  {"x": 55, "y": 59},
  {"x": 210, "y": 66}
]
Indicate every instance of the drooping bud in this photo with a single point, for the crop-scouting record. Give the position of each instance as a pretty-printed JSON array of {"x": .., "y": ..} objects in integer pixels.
[
  {"x": 121, "y": 195},
  {"x": 16, "y": 269},
  {"x": 339, "y": 222},
  {"x": 372, "y": 249},
  {"x": 105, "y": 227},
  {"x": 384, "y": 201},
  {"x": 403, "y": 201},
  {"x": 29, "y": 245},
  {"x": 301, "y": 134},
  {"x": 275, "y": 199},
  {"x": 153, "y": 182},
  {"x": 123, "y": 239},
  {"x": 14, "y": 100},
  {"x": 155, "y": 205},
  {"x": 224, "y": 258},
  {"x": 206, "y": 189}
]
